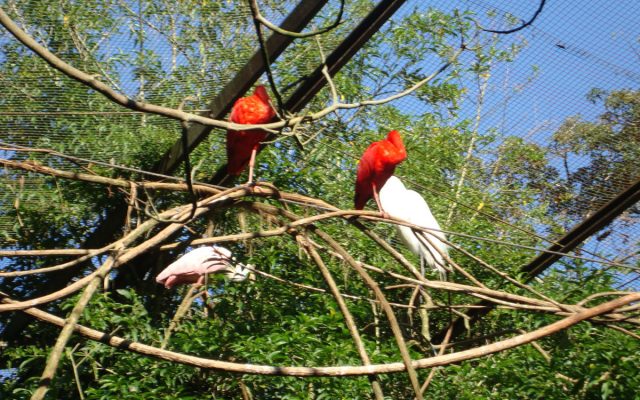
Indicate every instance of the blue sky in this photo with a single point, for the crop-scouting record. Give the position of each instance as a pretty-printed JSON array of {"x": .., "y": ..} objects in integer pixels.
[{"x": 578, "y": 46}]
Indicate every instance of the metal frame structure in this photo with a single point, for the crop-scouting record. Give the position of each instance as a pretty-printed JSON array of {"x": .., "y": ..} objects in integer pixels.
[
  {"x": 572, "y": 239},
  {"x": 245, "y": 78},
  {"x": 249, "y": 74}
]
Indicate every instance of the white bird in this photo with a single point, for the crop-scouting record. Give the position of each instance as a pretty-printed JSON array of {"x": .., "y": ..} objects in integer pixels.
[
  {"x": 408, "y": 205},
  {"x": 193, "y": 266}
]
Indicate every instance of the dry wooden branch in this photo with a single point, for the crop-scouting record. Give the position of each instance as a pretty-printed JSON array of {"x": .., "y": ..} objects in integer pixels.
[
  {"x": 443, "y": 360},
  {"x": 260, "y": 18},
  {"x": 348, "y": 318},
  {"x": 266, "y": 190},
  {"x": 124, "y": 101},
  {"x": 189, "y": 297},
  {"x": 70, "y": 323},
  {"x": 443, "y": 348}
]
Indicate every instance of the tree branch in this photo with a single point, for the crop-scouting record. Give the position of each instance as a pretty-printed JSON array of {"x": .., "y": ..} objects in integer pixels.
[
  {"x": 524, "y": 24},
  {"x": 232, "y": 367}
]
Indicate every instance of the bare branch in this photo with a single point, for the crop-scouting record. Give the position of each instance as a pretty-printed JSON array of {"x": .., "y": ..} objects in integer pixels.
[
  {"x": 258, "y": 16},
  {"x": 524, "y": 24},
  {"x": 351, "y": 325},
  {"x": 124, "y": 101},
  {"x": 69, "y": 326},
  {"x": 241, "y": 368}
]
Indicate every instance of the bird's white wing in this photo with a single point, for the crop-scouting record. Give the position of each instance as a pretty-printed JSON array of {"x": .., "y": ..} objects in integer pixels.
[
  {"x": 238, "y": 272},
  {"x": 394, "y": 201},
  {"x": 408, "y": 205},
  {"x": 421, "y": 214},
  {"x": 198, "y": 261},
  {"x": 423, "y": 217}
]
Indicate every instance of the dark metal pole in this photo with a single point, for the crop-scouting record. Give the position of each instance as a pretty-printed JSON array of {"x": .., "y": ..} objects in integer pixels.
[
  {"x": 598, "y": 220},
  {"x": 243, "y": 80},
  {"x": 335, "y": 61}
]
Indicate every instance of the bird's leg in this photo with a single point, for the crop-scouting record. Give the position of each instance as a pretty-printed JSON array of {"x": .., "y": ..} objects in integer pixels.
[
  {"x": 205, "y": 294},
  {"x": 377, "y": 199},
  {"x": 252, "y": 162}
]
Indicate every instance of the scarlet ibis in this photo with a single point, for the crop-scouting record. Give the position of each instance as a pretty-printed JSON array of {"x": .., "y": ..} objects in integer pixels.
[
  {"x": 242, "y": 146},
  {"x": 194, "y": 265},
  {"x": 401, "y": 203},
  {"x": 376, "y": 165}
]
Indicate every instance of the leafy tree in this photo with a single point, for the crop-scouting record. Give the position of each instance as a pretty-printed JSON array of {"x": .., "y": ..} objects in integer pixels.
[
  {"x": 610, "y": 147},
  {"x": 172, "y": 50}
]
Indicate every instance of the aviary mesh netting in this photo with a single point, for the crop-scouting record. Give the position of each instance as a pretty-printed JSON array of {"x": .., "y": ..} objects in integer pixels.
[{"x": 513, "y": 138}]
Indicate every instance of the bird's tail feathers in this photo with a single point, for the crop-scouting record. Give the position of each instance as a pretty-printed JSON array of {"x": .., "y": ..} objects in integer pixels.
[{"x": 433, "y": 257}]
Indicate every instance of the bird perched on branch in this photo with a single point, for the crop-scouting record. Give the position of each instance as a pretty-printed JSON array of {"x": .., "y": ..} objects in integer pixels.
[
  {"x": 401, "y": 203},
  {"x": 376, "y": 165},
  {"x": 242, "y": 146},
  {"x": 196, "y": 264}
]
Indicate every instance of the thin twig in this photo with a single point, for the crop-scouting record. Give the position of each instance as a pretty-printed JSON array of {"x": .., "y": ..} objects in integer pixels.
[
  {"x": 443, "y": 348},
  {"x": 524, "y": 24},
  {"x": 168, "y": 112},
  {"x": 189, "y": 297},
  {"x": 258, "y": 16},
  {"x": 348, "y": 318},
  {"x": 76, "y": 376}
]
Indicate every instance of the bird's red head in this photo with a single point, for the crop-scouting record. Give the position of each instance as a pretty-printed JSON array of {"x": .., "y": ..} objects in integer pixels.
[
  {"x": 395, "y": 139},
  {"x": 261, "y": 92},
  {"x": 376, "y": 166}
]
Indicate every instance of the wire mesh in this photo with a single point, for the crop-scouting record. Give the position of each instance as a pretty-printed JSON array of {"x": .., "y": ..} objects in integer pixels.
[{"x": 152, "y": 54}]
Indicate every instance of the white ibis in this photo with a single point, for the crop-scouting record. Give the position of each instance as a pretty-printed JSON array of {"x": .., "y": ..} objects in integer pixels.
[{"x": 401, "y": 203}]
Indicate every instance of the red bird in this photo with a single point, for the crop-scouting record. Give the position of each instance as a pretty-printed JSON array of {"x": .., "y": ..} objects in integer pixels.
[
  {"x": 376, "y": 166},
  {"x": 242, "y": 146}
]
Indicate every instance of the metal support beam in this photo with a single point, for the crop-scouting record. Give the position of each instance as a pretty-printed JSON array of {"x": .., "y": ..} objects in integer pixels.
[
  {"x": 598, "y": 220},
  {"x": 335, "y": 61},
  {"x": 243, "y": 80}
]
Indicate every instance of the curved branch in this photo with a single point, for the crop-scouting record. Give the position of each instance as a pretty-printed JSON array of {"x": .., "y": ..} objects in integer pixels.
[
  {"x": 395, "y": 328},
  {"x": 70, "y": 323},
  {"x": 258, "y": 16},
  {"x": 123, "y": 258},
  {"x": 447, "y": 359},
  {"x": 348, "y": 317},
  {"x": 124, "y": 101},
  {"x": 524, "y": 24}
]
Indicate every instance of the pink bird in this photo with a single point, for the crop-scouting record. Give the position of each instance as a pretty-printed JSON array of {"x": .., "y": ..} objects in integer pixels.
[
  {"x": 196, "y": 264},
  {"x": 242, "y": 146}
]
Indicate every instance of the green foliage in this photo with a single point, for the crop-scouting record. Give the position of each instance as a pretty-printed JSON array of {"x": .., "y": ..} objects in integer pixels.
[
  {"x": 275, "y": 323},
  {"x": 586, "y": 362},
  {"x": 610, "y": 147}
]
